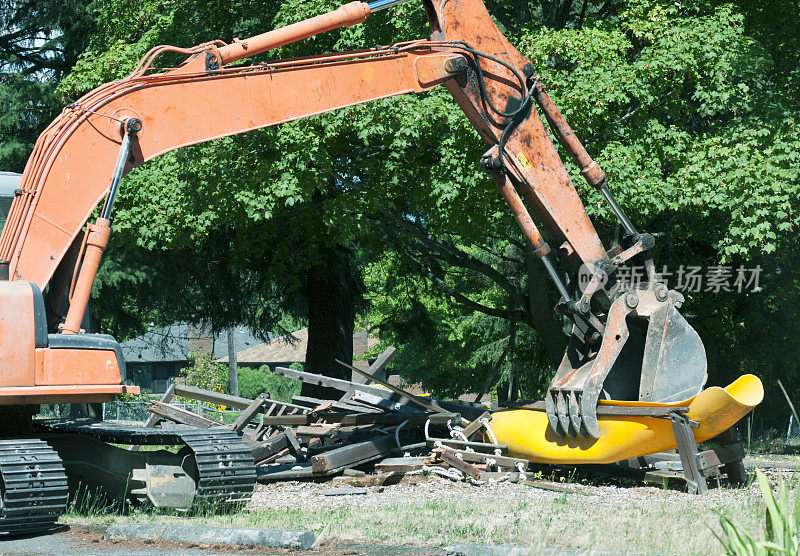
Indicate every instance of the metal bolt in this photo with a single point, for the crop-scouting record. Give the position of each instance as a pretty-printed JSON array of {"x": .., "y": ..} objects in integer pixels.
[
  {"x": 631, "y": 300},
  {"x": 661, "y": 292}
]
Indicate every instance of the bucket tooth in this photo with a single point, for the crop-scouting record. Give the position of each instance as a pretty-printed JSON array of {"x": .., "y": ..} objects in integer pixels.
[
  {"x": 575, "y": 414},
  {"x": 550, "y": 410},
  {"x": 563, "y": 413}
]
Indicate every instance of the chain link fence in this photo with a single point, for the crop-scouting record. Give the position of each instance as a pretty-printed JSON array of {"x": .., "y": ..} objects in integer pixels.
[{"x": 136, "y": 412}]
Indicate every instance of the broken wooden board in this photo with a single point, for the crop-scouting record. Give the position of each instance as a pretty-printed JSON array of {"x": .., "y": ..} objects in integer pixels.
[
  {"x": 383, "y": 479},
  {"x": 178, "y": 415},
  {"x": 362, "y": 419},
  {"x": 403, "y": 465},
  {"x": 453, "y": 459},
  {"x": 353, "y": 455}
]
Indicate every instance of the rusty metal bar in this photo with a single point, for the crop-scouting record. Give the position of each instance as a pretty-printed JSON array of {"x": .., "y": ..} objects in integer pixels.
[{"x": 344, "y": 16}]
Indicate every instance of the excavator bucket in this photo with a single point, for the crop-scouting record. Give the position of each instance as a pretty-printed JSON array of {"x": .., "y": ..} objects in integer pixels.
[{"x": 648, "y": 353}]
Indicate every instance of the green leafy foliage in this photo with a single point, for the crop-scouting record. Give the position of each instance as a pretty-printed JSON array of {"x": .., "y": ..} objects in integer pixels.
[
  {"x": 253, "y": 382},
  {"x": 691, "y": 108},
  {"x": 782, "y": 527},
  {"x": 206, "y": 373}
]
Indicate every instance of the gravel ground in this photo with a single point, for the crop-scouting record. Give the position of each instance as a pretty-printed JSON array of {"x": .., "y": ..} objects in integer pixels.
[
  {"x": 638, "y": 518},
  {"x": 306, "y": 496},
  {"x": 437, "y": 513}
]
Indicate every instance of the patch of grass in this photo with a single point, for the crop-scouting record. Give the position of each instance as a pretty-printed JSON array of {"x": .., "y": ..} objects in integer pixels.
[
  {"x": 782, "y": 525},
  {"x": 644, "y": 521}
]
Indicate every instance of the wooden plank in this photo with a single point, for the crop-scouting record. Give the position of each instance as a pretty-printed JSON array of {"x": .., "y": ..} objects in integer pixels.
[
  {"x": 294, "y": 446},
  {"x": 402, "y": 465},
  {"x": 529, "y": 480},
  {"x": 502, "y": 461},
  {"x": 464, "y": 444},
  {"x": 451, "y": 457},
  {"x": 362, "y": 419},
  {"x": 383, "y": 479},
  {"x": 377, "y": 366},
  {"x": 383, "y": 403},
  {"x": 244, "y": 418},
  {"x": 475, "y": 424},
  {"x": 218, "y": 398},
  {"x": 353, "y": 455},
  {"x": 152, "y": 419},
  {"x": 312, "y": 403},
  {"x": 429, "y": 405},
  {"x": 338, "y": 383},
  {"x": 317, "y": 431},
  {"x": 269, "y": 447},
  {"x": 182, "y": 416},
  {"x": 283, "y": 472}
]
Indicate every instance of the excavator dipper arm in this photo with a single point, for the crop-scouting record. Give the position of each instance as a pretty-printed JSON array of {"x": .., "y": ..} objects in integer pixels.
[{"x": 153, "y": 112}]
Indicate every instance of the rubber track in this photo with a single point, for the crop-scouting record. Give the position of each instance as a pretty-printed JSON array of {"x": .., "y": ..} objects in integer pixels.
[
  {"x": 34, "y": 486},
  {"x": 226, "y": 471}
]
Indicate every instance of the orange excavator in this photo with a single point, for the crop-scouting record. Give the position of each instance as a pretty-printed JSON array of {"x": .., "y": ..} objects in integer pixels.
[{"x": 626, "y": 344}]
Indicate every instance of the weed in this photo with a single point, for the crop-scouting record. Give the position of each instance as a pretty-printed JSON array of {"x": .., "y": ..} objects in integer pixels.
[{"x": 782, "y": 533}]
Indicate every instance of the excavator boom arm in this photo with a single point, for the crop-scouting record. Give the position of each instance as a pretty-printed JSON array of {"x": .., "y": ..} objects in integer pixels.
[
  {"x": 650, "y": 352},
  {"x": 68, "y": 173}
]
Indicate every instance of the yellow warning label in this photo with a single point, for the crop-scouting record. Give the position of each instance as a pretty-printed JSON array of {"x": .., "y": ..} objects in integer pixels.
[{"x": 523, "y": 160}]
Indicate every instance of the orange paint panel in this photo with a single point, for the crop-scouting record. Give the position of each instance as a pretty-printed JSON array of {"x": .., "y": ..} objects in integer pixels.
[
  {"x": 17, "y": 360},
  {"x": 78, "y": 366},
  {"x": 71, "y": 171},
  {"x": 63, "y": 394},
  {"x": 545, "y": 184}
]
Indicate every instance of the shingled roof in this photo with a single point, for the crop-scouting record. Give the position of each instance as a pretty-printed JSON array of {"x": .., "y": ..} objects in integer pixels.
[
  {"x": 171, "y": 343},
  {"x": 291, "y": 349}
]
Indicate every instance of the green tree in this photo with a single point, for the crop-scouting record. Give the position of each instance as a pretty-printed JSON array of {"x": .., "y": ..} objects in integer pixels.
[
  {"x": 40, "y": 41},
  {"x": 690, "y": 107}
]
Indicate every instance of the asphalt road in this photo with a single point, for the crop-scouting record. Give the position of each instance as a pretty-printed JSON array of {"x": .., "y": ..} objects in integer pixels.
[
  {"x": 77, "y": 542},
  {"x": 80, "y": 541}
]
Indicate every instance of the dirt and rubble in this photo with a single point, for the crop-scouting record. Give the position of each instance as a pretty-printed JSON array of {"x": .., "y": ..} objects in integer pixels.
[
  {"x": 370, "y": 433},
  {"x": 374, "y": 463}
]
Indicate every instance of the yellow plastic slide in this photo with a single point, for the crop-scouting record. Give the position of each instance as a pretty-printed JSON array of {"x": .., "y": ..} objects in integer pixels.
[{"x": 527, "y": 434}]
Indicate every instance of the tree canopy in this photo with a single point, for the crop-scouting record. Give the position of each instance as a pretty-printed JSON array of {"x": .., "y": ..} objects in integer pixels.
[{"x": 691, "y": 108}]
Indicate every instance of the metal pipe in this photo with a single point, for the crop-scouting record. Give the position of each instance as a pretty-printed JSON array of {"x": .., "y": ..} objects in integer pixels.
[
  {"x": 551, "y": 270},
  {"x": 379, "y": 5},
  {"x": 130, "y": 127},
  {"x": 344, "y": 16},
  {"x": 617, "y": 210}
]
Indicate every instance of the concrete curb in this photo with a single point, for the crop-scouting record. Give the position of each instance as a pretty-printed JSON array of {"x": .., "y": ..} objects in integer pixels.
[{"x": 272, "y": 538}]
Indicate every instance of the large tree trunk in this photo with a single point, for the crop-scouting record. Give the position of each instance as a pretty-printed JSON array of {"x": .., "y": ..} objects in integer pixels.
[
  {"x": 546, "y": 325},
  {"x": 331, "y": 289}
]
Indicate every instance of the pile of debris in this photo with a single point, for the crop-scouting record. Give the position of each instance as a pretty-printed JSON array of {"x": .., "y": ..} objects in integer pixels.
[{"x": 373, "y": 434}]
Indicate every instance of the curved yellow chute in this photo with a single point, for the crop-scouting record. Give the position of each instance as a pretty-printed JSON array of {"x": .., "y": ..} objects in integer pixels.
[{"x": 528, "y": 436}]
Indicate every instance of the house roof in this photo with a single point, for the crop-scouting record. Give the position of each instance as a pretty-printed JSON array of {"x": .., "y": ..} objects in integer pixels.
[
  {"x": 171, "y": 343},
  {"x": 290, "y": 349}
]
